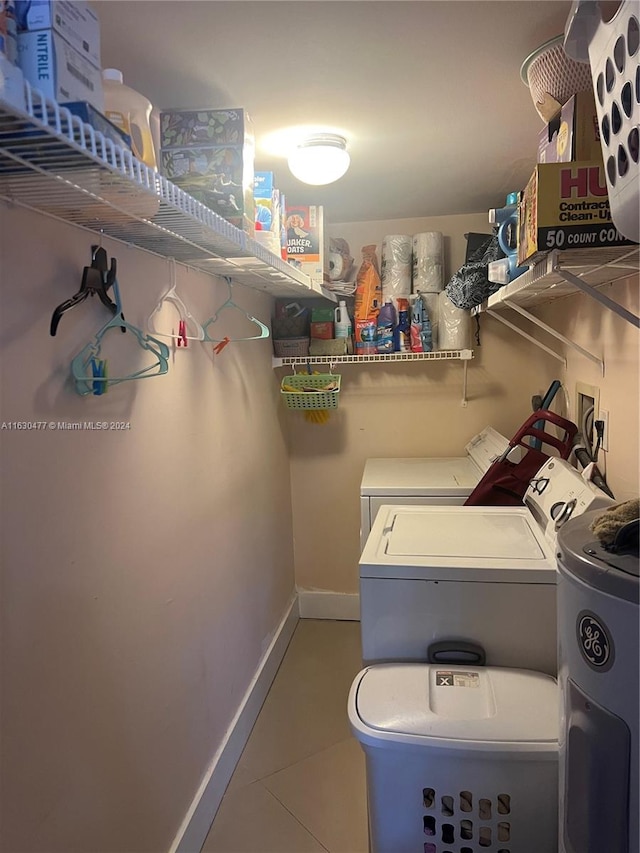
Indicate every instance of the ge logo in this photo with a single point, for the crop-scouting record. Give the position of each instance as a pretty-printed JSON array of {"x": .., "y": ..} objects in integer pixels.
[{"x": 594, "y": 642}]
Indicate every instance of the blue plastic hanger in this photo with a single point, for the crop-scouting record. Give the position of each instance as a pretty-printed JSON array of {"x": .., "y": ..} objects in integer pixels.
[
  {"x": 229, "y": 303},
  {"x": 83, "y": 366}
]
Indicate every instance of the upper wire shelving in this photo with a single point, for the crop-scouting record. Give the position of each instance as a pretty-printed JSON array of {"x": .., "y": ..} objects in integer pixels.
[
  {"x": 562, "y": 273},
  {"x": 52, "y": 162}
]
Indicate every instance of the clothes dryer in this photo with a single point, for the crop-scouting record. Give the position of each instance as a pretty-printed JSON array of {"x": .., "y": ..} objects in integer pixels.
[
  {"x": 599, "y": 657},
  {"x": 472, "y": 575},
  {"x": 447, "y": 480}
]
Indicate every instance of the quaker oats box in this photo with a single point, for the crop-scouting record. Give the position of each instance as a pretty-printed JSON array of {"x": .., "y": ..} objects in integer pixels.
[
  {"x": 210, "y": 155},
  {"x": 305, "y": 240},
  {"x": 565, "y": 206}
]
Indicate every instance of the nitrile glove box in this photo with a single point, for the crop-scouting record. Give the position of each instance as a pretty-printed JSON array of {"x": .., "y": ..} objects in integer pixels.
[
  {"x": 57, "y": 70},
  {"x": 75, "y": 21}
]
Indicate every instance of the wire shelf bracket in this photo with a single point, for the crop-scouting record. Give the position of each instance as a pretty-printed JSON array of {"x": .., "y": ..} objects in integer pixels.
[{"x": 560, "y": 274}]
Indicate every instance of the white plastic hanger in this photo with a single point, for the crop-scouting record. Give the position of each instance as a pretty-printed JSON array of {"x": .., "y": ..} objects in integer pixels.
[{"x": 193, "y": 329}]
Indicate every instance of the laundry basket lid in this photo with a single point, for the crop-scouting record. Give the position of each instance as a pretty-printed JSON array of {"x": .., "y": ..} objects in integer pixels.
[{"x": 475, "y": 708}]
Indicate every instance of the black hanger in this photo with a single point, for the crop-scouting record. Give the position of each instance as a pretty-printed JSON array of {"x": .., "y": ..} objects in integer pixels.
[{"x": 97, "y": 278}]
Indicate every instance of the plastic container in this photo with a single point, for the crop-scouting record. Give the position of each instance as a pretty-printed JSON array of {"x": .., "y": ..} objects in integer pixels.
[
  {"x": 342, "y": 321},
  {"x": 458, "y": 758},
  {"x": 610, "y": 50},
  {"x": 402, "y": 339},
  {"x": 415, "y": 327},
  {"x": 131, "y": 112},
  {"x": 385, "y": 325},
  {"x": 326, "y": 396},
  {"x": 506, "y": 218},
  {"x": 553, "y": 77}
]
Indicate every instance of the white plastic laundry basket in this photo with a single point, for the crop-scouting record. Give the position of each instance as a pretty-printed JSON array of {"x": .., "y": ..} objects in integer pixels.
[
  {"x": 459, "y": 759},
  {"x": 613, "y": 50}
]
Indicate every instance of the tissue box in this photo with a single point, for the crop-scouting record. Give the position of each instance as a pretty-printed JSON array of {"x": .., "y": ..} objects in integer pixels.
[
  {"x": 574, "y": 134},
  {"x": 305, "y": 240},
  {"x": 218, "y": 177},
  {"x": 51, "y": 65},
  {"x": 210, "y": 155},
  {"x": 198, "y": 128},
  {"x": 75, "y": 21},
  {"x": 565, "y": 206}
]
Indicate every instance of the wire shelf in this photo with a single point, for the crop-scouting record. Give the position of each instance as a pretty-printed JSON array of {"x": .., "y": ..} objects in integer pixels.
[
  {"x": 52, "y": 162},
  {"x": 438, "y": 355},
  {"x": 545, "y": 281}
]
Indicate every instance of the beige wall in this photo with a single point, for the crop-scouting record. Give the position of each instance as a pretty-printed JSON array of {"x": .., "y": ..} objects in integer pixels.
[
  {"x": 401, "y": 409},
  {"x": 414, "y": 409},
  {"x": 145, "y": 570},
  {"x": 601, "y": 332}
]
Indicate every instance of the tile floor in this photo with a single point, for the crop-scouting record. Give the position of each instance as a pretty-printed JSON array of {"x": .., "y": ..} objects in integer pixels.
[{"x": 299, "y": 786}]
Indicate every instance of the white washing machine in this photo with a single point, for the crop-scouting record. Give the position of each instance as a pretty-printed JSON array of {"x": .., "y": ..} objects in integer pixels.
[
  {"x": 470, "y": 574},
  {"x": 444, "y": 481}
]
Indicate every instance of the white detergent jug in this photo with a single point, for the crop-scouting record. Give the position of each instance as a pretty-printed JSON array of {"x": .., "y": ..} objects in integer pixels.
[
  {"x": 342, "y": 324},
  {"x": 131, "y": 112}
]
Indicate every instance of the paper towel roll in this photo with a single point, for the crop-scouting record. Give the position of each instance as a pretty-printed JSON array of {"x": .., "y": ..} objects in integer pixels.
[
  {"x": 428, "y": 262},
  {"x": 454, "y": 324},
  {"x": 396, "y": 266}
]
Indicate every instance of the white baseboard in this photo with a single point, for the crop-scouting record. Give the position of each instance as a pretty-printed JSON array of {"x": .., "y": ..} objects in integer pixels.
[
  {"x": 318, "y": 604},
  {"x": 197, "y": 822}
]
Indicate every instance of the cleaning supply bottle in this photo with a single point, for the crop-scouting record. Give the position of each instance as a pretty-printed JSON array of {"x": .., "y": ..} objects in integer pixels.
[
  {"x": 402, "y": 337},
  {"x": 506, "y": 218},
  {"x": 385, "y": 327},
  {"x": 415, "y": 329},
  {"x": 131, "y": 112},
  {"x": 342, "y": 322},
  {"x": 426, "y": 335}
]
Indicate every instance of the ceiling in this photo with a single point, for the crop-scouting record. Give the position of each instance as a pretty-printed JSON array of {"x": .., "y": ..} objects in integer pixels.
[{"x": 428, "y": 93}]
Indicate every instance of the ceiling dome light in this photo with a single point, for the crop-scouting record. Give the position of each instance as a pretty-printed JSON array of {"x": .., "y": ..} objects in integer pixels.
[{"x": 320, "y": 159}]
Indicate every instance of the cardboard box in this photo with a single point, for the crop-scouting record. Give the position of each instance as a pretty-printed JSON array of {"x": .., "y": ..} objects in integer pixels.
[
  {"x": 86, "y": 113},
  {"x": 8, "y": 31},
  {"x": 51, "y": 65},
  {"x": 267, "y": 199},
  {"x": 263, "y": 186},
  {"x": 75, "y": 21},
  {"x": 199, "y": 128},
  {"x": 322, "y": 331},
  {"x": 210, "y": 154},
  {"x": 565, "y": 206},
  {"x": 574, "y": 134},
  {"x": 305, "y": 240},
  {"x": 218, "y": 177}
]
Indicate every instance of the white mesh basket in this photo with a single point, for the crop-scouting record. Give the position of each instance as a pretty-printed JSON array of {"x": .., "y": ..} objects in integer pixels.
[
  {"x": 613, "y": 50},
  {"x": 553, "y": 77}
]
